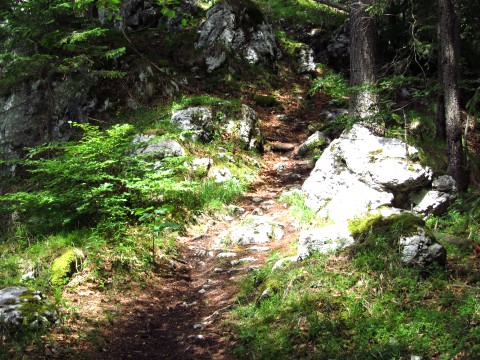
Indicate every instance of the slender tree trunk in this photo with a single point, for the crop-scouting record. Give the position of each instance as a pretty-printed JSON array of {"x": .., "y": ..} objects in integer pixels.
[
  {"x": 449, "y": 54},
  {"x": 440, "y": 126},
  {"x": 363, "y": 33}
]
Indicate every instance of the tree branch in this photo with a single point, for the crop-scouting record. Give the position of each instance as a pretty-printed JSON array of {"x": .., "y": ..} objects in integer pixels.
[{"x": 334, "y": 5}]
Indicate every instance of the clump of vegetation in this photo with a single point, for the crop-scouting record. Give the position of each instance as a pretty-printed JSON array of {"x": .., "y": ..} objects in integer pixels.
[
  {"x": 300, "y": 211},
  {"x": 377, "y": 225},
  {"x": 332, "y": 84}
]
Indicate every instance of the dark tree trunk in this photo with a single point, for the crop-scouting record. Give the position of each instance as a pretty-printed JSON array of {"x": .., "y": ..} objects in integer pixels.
[
  {"x": 449, "y": 54},
  {"x": 363, "y": 33},
  {"x": 440, "y": 125}
]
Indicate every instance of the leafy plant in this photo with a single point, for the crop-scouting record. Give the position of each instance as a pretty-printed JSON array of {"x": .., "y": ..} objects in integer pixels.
[
  {"x": 333, "y": 84},
  {"x": 156, "y": 220}
]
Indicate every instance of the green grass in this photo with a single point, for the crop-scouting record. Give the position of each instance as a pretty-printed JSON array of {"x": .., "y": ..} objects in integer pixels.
[
  {"x": 301, "y": 212},
  {"x": 362, "y": 303},
  {"x": 302, "y": 12},
  {"x": 331, "y": 307}
]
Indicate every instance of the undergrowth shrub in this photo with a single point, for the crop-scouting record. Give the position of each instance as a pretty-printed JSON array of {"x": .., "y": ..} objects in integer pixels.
[{"x": 99, "y": 181}]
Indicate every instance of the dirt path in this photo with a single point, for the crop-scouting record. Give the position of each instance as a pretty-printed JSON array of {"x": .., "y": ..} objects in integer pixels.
[{"x": 179, "y": 314}]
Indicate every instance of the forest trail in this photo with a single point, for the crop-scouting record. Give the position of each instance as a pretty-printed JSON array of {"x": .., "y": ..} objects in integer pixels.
[{"x": 179, "y": 312}]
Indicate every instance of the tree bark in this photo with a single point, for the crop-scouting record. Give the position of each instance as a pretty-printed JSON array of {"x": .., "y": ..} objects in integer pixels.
[
  {"x": 449, "y": 54},
  {"x": 363, "y": 33}
]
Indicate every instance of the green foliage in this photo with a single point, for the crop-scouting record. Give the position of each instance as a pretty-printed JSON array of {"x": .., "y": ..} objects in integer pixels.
[
  {"x": 75, "y": 182},
  {"x": 462, "y": 218},
  {"x": 228, "y": 106},
  {"x": 332, "y": 84},
  {"x": 301, "y": 212},
  {"x": 301, "y": 12},
  {"x": 41, "y": 39}
]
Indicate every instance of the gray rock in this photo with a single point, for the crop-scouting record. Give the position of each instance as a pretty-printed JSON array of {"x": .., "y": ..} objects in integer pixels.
[
  {"x": 255, "y": 230},
  {"x": 226, "y": 255},
  {"x": 435, "y": 201},
  {"x": 201, "y": 165},
  {"x": 360, "y": 172},
  {"x": 431, "y": 201},
  {"x": 148, "y": 145},
  {"x": 313, "y": 145},
  {"x": 196, "y": 119},
  {"x": 221, "y": 174},
  {"x": 238, "y": 32},
  {"x": 26, "y": 120},
  {"x": 421, "y": 250},
  {"x": 246, "y": 129},
  {"x": 279, "y": 167},
  {"x": 28, "y": 276},
  {"x": 338, "y": 47},
  {"x": 445, "y": 183},
  {"x": 13, "y": 312},
  {"x": 324, "y": 240},
  {"x": 305, "y": 63}
]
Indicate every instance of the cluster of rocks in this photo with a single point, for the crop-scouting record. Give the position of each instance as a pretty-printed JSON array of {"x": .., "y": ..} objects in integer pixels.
[
  {"x": 202, "y": 124},
  {"x": 360, "y": 175},
  {"x": 236, "y": 31}
]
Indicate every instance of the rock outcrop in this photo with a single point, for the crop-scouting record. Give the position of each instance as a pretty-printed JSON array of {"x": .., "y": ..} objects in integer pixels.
[
  {"x": 196, "y": 119},
  {"x": 245, "y": 128},
  {"x": 29, "y": 116},
  {"x": 20, "y": 306},
  {"x": 360, "y": 171},
  {"x": 361, "y": 175},
  {"x": 148, "y": 145},
  {"x": 236, "y": 30}
]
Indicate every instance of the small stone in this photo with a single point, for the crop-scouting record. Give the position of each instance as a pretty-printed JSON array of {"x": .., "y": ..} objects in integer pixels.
[
  {"x": 218, "y": 270},
  {"x": 226, "y": 255},
  {"x": 257, "y": 200},
  {"x": 187, "y": 305},
  {"x": 257, "y": 212},
  {"x": 279, "y": 167},
  {"x": 202, "y": 291},
  {"x": 197, "y": 326},
  {"x": 234, "y": 262},
  {"x": 280, "y": 262},
  {"x": 259, "y": 248},
  {"x": 28, "y": 276},
  {"x": 248, "y": 259}
]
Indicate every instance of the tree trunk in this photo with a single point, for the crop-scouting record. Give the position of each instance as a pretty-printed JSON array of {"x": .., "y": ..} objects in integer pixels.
[
  {"x": 363, "y": 33},
  {"x": 449, "y": 53},
  {"x": 440, "y": 125}
]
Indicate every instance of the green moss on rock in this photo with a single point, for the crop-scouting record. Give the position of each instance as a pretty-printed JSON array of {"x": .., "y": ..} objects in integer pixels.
[
  {"x": 391, "y": 226},
  {"x": 66, "y": 265}
]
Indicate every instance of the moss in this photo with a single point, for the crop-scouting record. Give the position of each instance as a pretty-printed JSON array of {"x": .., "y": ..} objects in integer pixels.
[
  {"x": 66, "y": 265},
  {"x": 391, "y": 227}
]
